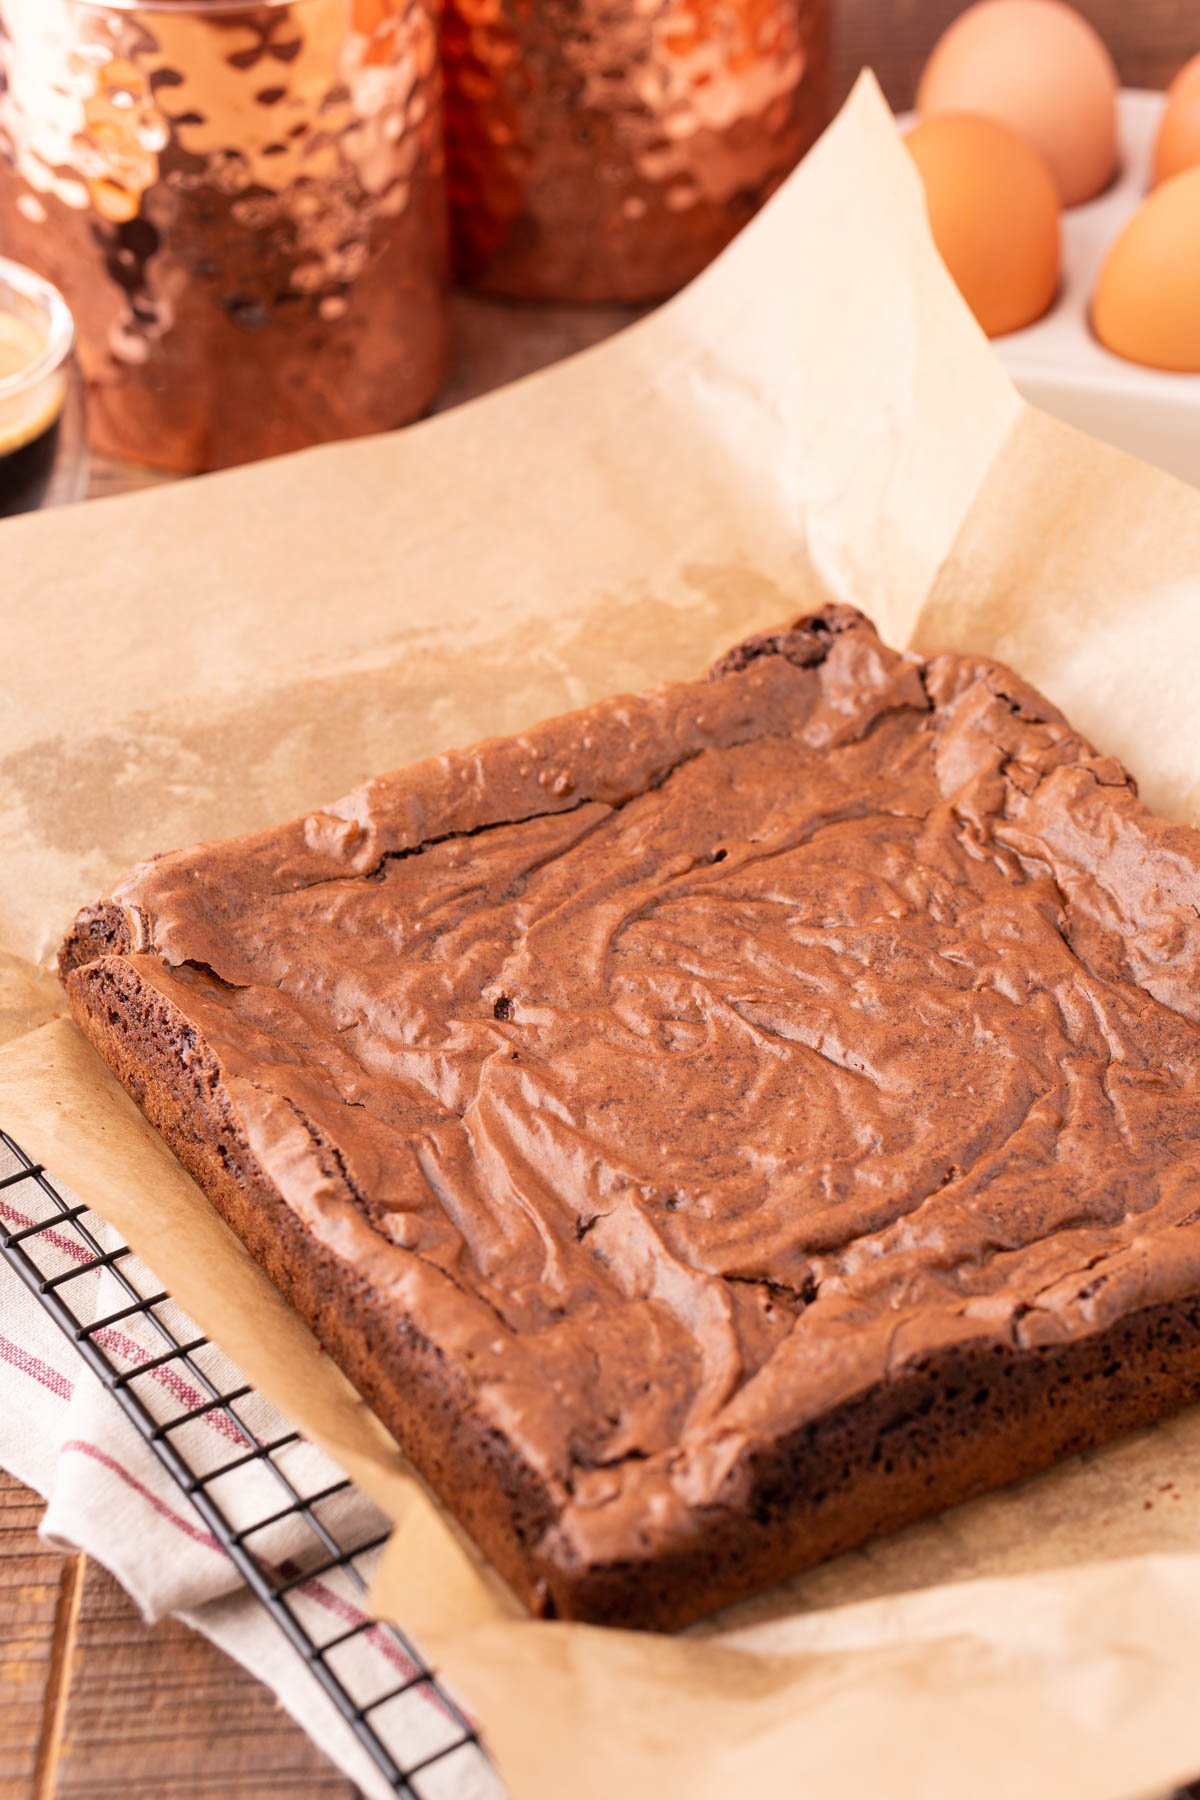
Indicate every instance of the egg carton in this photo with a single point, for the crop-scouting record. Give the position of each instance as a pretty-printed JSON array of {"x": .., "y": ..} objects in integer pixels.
[{"x": 1060, "y": 366}]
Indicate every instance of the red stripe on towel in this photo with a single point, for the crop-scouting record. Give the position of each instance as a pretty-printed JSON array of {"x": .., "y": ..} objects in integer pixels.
[{"x": 27, "y": 1364}]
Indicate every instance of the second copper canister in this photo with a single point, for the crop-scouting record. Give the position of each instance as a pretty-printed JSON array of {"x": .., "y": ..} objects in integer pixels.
[{"x": 605, "y": 150}]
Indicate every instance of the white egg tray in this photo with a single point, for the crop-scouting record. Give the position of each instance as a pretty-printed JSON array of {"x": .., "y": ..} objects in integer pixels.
[{"x": 1060, "y": 366}]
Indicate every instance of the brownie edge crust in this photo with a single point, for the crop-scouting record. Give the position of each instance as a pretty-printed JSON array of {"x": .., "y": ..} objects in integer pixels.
[{"x": 711, "y": 1129}]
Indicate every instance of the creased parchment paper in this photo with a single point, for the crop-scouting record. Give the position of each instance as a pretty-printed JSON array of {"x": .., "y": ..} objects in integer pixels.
[{"x": 817, "y": 415}]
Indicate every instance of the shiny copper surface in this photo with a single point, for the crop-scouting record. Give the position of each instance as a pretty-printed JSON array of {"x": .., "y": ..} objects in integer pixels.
[
  {"x": 244, "y": 206},
  {"x": 607, "y": 149}
]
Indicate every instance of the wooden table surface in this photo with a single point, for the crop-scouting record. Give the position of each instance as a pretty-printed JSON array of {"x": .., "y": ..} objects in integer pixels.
[{"x": 93, "y": 1704}]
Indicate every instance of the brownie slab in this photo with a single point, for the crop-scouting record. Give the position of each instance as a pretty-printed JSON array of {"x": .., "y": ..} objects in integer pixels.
[{"x": 711, "y": 1128}]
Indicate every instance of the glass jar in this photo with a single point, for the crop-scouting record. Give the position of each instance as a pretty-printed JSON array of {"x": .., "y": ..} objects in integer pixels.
[{"x": 43, "y": 459}]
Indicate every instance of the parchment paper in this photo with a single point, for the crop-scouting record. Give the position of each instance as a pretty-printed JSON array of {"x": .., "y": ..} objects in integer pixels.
[{"x": 817, "y": 415}]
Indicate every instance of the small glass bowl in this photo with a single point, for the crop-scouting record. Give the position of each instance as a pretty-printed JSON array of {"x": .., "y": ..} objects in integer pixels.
[{"x": 43, "y": 452}]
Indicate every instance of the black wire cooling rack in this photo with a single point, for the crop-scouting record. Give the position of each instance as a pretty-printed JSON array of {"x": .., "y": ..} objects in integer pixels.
[{"x": 35, "y": 1250}]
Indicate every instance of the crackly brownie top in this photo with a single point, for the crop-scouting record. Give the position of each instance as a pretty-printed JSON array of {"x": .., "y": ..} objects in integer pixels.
[{"x": 688, "y": 1064}]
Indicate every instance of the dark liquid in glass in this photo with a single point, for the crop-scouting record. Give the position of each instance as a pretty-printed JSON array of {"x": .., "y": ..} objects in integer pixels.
[{"x": 25, "y": 471}]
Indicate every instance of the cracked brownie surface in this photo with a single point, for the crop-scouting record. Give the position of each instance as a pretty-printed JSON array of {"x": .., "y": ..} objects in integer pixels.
[{"x": 710, "y": 1127}]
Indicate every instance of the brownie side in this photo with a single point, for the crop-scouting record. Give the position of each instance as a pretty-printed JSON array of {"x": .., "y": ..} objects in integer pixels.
[
  {"x": 100, "y": 930},
  {"x": 959, "y": 1423},
  {"x": 172, "y": 1075},
  {"x": 963, "y": 1423}
]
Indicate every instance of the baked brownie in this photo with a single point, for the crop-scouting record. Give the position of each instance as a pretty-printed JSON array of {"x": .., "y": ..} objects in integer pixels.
[{"x": 711, "y": 1128}]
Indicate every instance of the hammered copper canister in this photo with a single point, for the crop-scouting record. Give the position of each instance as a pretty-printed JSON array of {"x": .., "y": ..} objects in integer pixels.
[
  {"x": 607, "y": 149},
  {"x": 244, "y": 206}
]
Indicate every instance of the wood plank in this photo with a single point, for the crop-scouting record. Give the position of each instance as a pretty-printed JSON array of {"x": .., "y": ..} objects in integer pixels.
[
  {"x": 36, "y": 1587},
  {"x": 158, "y": 1713},
  {"x": 96, "y": 1706}
]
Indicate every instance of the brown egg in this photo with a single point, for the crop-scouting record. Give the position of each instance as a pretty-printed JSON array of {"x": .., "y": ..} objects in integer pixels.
[
  {"x": 1187, "y": 81},
  {"x": 1177, "y": 146},
  {"x": 1146, "y": 306},
  {"x": 993, "y": 209},
  {"x": 1041, "y": 69}
]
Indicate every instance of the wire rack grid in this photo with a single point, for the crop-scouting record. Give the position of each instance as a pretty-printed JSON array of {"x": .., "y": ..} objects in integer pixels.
[{"x": 35, "y": 1250}]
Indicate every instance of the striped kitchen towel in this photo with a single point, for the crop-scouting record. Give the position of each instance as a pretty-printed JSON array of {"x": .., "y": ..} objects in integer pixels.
[{"x": 107, "y": 1494}]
